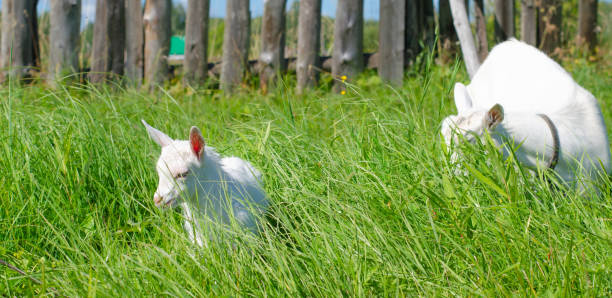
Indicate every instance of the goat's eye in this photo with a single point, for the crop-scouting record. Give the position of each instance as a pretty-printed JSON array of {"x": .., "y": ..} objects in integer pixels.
[{"x": 182, "y": 175}]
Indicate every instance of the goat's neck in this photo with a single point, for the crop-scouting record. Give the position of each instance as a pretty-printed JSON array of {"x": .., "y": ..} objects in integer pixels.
[
  {"x": 210, "y": 169},
  {"x": 529, "y": 134},
  {"x": 212, "y": 183},
  {"x": 208, "y": 174}
]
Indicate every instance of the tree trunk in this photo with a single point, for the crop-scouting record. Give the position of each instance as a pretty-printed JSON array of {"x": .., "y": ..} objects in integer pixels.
[
  {"x": 504, "y": 19},
  {"x": 587, "y": 21},
  {"x": 108, "y": 48},
  {"x": 19, "y": 51},
  {"x": 195, "y": 64},
  {"x": 529, "y": 30},
  {"x": 348, "y": 41},
  {"x": 481, "y": 30},
  {"x": 235, "y": 44},
  {"x": 391, "y": 41},
  {"x": 65, "y": 22},
  {"x": 309, "y": 31},
  {"x": 272, "y": 56},
  {"x": 550, "y": 25},
  {"x": 462, "y": 26},
  {"x": 134, "y": 61},
  {"x": 157, "y": 40}
]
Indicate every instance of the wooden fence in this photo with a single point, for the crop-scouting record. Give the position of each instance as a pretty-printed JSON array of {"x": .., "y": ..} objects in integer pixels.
[{"x": 135, "y": 45}]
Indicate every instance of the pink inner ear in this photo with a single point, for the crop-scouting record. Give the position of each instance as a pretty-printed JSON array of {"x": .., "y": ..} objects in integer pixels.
[{"x": 197, "y": 144}]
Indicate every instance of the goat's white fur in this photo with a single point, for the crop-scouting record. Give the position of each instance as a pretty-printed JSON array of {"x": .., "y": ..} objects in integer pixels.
[
  {"x": 205, "y": 185},
  {"x": 525, "y": 82}
]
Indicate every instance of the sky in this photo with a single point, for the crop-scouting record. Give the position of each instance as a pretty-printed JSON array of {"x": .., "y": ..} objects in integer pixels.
[
  {"x": 328, "y": 7},
  {"x": 217, "y": 8}
]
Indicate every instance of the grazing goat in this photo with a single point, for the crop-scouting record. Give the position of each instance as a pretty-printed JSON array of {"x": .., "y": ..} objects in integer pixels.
[
  {"x": 520, "y": 95},
  {"x": 205, "y": 185}
]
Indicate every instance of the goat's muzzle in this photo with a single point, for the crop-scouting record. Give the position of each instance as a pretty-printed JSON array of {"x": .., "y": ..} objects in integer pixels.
[{"x": 158, "y": 199}]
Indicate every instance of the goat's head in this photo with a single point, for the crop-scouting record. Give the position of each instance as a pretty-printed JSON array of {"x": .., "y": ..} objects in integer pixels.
[
  {"x": 471, "y": 122},
  {"x": 176, "y": 163}
]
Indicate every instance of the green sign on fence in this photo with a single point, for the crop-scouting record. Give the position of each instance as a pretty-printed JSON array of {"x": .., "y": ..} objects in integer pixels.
[{"x": 177, "y": 45}]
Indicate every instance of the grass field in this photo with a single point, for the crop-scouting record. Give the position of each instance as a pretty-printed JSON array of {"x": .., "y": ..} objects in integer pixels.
[{"x": 364, "y": 200}]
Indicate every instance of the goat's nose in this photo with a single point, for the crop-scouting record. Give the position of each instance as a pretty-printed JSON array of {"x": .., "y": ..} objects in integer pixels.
[{"x": 157, "y": 199}]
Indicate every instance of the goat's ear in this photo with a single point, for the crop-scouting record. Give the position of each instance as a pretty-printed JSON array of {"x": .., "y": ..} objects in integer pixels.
[
  {"x": 494, "y": 116},
  {"x": 463, "y": 102},
  {"x": 159, "y": 137},
  {"x": 196, "y": 141}
]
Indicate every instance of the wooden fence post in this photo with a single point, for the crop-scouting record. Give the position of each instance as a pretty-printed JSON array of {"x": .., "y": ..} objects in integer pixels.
[
  {"x": 348, "y": 41},
  {"x": 235, "y": 44},
  {"x": 157, "y": 40},
  {"x": 481, "y": 30},
  {"x": 19, "y": 43},
  {"x": 65, "y": 22},
  {"x": 411, "y": 40},
  {"x": 420, "y": 27},
  {"x": 272, "y": 56},
  {"x": 466, "y": 39},
  {"x": 428, "y": 27},
  {"x": 445, "y": 24},
  {"x": 504, "y": 19},
  {"x": 108, "y": 48},
  {"x": 550, "y": 25},
  {"x": 447, "y": 37},
  {"x": 134, "y": 41},
  {"x": 529, "y": 31},
  {"x": 587, "y": 21},
  {"x": 309, "y": 31},
  {"x": 391, "y": 41},
  {"x": 195, "y": 65}
]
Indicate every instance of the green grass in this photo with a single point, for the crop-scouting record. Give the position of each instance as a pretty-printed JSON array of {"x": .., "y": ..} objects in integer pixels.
[{"x": 364, "y": 200}]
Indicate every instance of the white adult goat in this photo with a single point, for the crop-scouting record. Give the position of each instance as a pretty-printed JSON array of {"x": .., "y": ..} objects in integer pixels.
[
  {"x": 521, "y": 94},
  {"x": 205, "y": 185}
]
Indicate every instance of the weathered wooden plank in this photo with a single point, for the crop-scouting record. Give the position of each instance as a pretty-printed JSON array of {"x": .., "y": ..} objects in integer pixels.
[
  {"x": 108, "y": 48},
  {"x": 587, "y": 22},
  {"x": 134, "y": 27},
  {"x": 19, "y": 48},
  {"x": 481, "y": 30},
  {"x": 391, "y": 41},
  {"x": 466, "y": 39},
  {"x": 65, "y": 22},
  {"x": 235, "y": 44},
  {"x": 412, "y": 47},
  {"x": 504, "y": 19},
  {"x": 309, "y": 31},
  {"x": 348, "y": 41},
  {"x": 428, "y": 27},
  {"x": 196, "y": 42},
  {"x": 157, "y": 40},
  {"x": 549, "y": 26},
  {"x": 214, "y": 68},
  {"x": 272, "y": 55},
  {"x": 529, "y": 30}
]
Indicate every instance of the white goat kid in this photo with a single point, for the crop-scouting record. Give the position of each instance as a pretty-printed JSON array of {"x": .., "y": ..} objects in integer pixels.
[
  {"x": 206, "y": 186},
  {"x": 521, "y": 95}
]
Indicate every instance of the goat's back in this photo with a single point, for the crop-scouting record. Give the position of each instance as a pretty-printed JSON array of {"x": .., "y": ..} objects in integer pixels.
[{"x": 522, "y": 78}]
